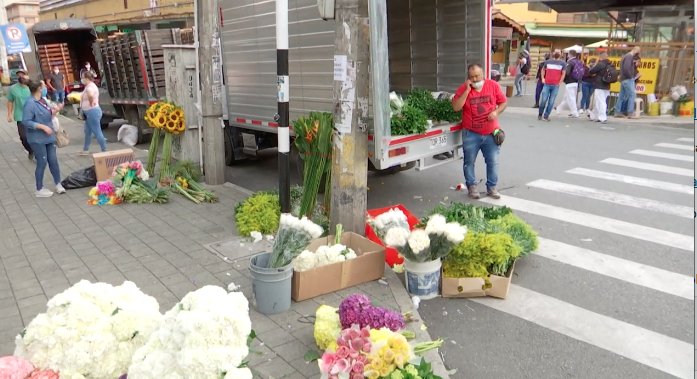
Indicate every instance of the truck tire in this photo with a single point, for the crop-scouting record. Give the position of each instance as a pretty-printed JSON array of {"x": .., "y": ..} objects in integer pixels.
[
  {"x": 391, "y": 170},
  {"x": 229, "y": 146}
]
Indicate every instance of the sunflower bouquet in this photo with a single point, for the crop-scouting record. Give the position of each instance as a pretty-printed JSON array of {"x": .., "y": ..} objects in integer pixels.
[{"x": 168, "y": 118}]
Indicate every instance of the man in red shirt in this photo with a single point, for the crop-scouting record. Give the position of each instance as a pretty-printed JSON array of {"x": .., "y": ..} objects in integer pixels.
[{"x": 481, "y": 101}]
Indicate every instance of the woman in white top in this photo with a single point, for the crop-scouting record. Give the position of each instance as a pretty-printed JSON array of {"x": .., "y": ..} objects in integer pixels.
[{"x": 89, "y": 104}]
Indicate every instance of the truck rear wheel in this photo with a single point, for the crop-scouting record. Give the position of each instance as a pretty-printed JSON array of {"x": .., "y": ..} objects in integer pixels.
[{"x": 391, "y": 170}]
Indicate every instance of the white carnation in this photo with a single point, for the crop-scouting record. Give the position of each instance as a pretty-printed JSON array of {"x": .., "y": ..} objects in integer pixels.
[
  {"x": 436, "y": 224},
  {"x": 455, "y": 232},
  {"x": 419, "y": 241},
  {"x": 396, "y": 237}
]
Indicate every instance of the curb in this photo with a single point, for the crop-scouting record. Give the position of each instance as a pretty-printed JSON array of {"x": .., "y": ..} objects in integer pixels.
[
  {"x": 669, "y": 121},
  {"x": 405, "y": 305}
]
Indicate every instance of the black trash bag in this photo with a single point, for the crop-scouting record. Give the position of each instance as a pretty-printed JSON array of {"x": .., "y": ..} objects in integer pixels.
[{"x": 86, "y": 177}]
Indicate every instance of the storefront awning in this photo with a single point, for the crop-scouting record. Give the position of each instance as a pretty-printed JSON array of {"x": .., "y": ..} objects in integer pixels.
[
  {"x": 572, "y": 6},
  {"x": 533, "y": 30}
]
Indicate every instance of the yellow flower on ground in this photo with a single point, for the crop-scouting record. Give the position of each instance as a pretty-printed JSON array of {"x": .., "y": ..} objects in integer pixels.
[{"x": 327, "y": 327}]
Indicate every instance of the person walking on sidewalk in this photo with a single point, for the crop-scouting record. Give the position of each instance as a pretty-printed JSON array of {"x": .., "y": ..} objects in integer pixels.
[
  {"x": 538, "y": 76},
  {"x": 587, "y": 87},
  {"x": 573, "y": 75},
  {"x": 56, "y": 83},
  {"x": 17, "y": 96},
  {"x": 520, "y": 73},
  {"x": 628, "y": 76},
  {"x": 552, "y": 74},
  {"x": 37, "y": 120},
  {"x": 602, "y": 75},
  {"x": 93, "y": 114},
  {"x": 481, "y": 102}
]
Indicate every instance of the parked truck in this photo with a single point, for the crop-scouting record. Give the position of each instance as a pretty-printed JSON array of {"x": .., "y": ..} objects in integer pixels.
[{"x": 413, "y": 44}]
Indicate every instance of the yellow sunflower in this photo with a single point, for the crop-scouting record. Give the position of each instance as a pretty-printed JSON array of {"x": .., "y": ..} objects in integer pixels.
[
  {"x": 181, "y": 127},
  {"x": 171, "y": 127}
]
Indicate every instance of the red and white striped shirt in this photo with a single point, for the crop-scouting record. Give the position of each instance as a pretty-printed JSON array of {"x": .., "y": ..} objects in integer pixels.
[{"x": 553, "y": 70}]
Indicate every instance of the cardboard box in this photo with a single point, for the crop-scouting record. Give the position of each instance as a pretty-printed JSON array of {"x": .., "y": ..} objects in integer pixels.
[
  {"x": 368, "y": 265},
  {"x": 472, "y": 287},
  {"x": 105, "y": 162}
]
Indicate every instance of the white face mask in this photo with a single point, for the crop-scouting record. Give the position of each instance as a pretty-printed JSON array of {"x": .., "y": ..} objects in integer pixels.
[
  {"x": 87, "y": 66},
  {"x": 55, "y": 71},
  {"x": 478, "y": 85}
]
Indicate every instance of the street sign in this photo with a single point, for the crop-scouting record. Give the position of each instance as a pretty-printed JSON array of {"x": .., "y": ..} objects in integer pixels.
[{"x": 16, "y": 39}]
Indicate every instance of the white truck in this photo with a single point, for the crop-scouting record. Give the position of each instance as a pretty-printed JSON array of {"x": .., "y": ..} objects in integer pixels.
[{"x": 428, "y": 44}]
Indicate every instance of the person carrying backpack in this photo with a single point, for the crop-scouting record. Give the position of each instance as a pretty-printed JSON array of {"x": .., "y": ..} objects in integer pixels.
[
  {"x": 603, "y": 73},
  {"x": 587, "y": 87},
  {"x": 574, "y": 74},
  {"x": 522, "y": 69}
]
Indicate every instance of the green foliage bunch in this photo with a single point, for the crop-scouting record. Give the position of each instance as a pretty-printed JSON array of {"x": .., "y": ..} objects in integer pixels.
[
  {"x": 260, "y": 212},
  {"x": 521, "y": 232},
  {"x": 410, "y": 120},
  {"x": 480, "y": 255}
]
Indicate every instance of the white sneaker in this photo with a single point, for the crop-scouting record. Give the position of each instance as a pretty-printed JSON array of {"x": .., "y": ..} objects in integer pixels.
[
  {"x": 59, "y": 188},
  {"x": 44, "y": 193}
]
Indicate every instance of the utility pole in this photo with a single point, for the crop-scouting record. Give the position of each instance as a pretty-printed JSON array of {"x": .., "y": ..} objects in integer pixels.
[
  {"x": 350, "y": 152},
  {"x": 210, "y": 76},
  {"x": 283, "y": 116}
]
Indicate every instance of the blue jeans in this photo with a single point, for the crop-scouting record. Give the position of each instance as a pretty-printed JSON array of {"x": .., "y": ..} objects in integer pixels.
[
  {"x": 59, "y": 96},
  {"x": 471, "y": 144},
  {"x": 519, "y": 84},
  {"x": 538, "y": 91},
  {"x": 586, "y": 93},
  {"x": 547, "y": 99},
  {"x": 625, "y": 100},
  {"x": 92, "y": 126},
  {"x": 45, "y": 154}
]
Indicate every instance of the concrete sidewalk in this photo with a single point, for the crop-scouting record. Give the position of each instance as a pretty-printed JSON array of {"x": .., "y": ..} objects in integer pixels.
[{"x": 47, "y": 245}]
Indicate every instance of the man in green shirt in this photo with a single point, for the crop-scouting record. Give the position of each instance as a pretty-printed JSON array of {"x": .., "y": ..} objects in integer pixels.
[{"x": 16, "y": 97}]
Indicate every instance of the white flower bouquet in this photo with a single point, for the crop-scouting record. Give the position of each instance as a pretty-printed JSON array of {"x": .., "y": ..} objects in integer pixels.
[
  {"x": 91, "y": 330},
  {"x": 203, "y": 336},
  {"x": 324, "y": 255},
  {"x": 394, "y": 218},
  {"x": 424, "y": 245},
  {"x": 292, "y": 237}
]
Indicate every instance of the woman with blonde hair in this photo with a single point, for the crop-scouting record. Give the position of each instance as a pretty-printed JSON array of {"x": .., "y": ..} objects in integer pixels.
[{"x": 89, "y": 103}]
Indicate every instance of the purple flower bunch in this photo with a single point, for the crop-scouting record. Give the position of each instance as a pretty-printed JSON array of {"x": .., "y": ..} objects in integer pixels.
[{"x": 358, "y": 310}]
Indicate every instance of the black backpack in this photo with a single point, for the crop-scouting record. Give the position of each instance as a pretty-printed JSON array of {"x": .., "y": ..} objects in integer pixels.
[
  {"x": 611, "y": 75},
  {"x": 526, "y": 67}
]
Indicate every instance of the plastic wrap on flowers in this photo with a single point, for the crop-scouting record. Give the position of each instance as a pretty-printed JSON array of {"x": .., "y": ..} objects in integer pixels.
[
  {"x": 13, "y": 367},
  {"x": 203, "y": 336},
  {"x": 357, "y": 309},
  {"x": 90, "y": 330},
  {"x": 44, "y": 374}
]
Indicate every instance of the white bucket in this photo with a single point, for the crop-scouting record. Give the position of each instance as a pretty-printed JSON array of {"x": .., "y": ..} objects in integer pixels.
[
  {"x": 666, "y": 108},
  {"x": 650, "y": 98},
  {"x": 422, "y": 278}
]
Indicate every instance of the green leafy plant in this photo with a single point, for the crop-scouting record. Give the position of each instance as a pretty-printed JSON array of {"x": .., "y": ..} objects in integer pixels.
[
  {"x": 412, "y": 371},
  {"x": 442, "y": 110},
  {"x": 410, "y": 120},
  {"x": 421, "y": 99},
  {"x": 260, "y": 212},
  {"x": 480, "y": 255},
  {"x": 519, "y": 230},
  {"x": 475, "y": 218}
]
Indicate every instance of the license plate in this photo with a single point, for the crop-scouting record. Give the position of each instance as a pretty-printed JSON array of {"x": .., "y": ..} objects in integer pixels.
[{"x": 439, "y": 141}]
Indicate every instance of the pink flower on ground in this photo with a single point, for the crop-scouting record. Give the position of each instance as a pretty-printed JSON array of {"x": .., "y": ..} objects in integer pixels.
[
  {"x": 341, "y": 366},
  {"x": 343, "y": 352},
  {"x": 106, "y": 187},
  {"x": 44, "y": 374},
  {"x": 357, "y": 375},
  {"x": 358, "y": 367},
  {"x": 12, "y": 367},
  {"x": 327, "y": 362}
]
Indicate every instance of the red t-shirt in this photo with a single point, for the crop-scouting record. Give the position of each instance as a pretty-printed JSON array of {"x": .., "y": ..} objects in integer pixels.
[{"x": 479, "y": 105}]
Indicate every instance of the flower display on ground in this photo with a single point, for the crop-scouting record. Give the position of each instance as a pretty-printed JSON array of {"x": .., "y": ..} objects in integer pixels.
[
  {"x": 327, "y": 327},
  {"x": 203, "y": 336},
  {"x": 357, "y": 309},
  {"x": 13, "y": 367},
  {"x": 103, "y": 193},
  {"x": 390, "y": 351},
  {"x": 324, "y": 255},
  {"x": 91, "y": 330},
  {"x": 429, "y": 244},
  {"x": 394, "y": 218},
  {"x": 351, "y": 355},
  {"x": 293, "y": 236}
]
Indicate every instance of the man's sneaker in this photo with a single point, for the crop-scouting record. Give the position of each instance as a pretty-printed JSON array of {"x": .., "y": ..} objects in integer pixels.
[
  {"x": 539, "y": 117},
  {"x": 472, "y": 192},
  {"x": 30, "y": 156},
  {"x": 44, "y": 193},
  {"x": 603, "y": 122},
  {"x": 536, "y": 106},
  {"x": 59, "y": 188},
  {"x": 619, "y": 115},
  {"x": 492, "y": 192},
  {"x": 546, "y": 119}
]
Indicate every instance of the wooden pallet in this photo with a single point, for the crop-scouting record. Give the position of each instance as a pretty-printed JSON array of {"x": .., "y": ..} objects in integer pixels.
[{"x": 51, "y": 55}]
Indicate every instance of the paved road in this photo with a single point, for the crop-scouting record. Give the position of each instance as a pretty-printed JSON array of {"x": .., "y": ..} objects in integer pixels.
[{"x": 609, "y": 294}]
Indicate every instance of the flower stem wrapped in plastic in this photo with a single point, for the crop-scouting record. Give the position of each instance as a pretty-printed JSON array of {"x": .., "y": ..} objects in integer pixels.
[
  {"x": 292, "y": 237},
  {"x": 424, "y": 245}
]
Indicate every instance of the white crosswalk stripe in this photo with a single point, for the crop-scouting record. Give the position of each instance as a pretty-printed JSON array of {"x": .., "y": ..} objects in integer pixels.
[
  {"x": 660, "y": 154},
  {"x": 628, "y": 229},
  {"x": 614, "y": 197},
  {"x": 643, "y": 182},
  {"x": 618, "y": 268},
  {"x": 675, "y": 146},
  {"x": 655, "y": 350},
  {"x": 649, "y": 166},
  {"x": 686, "y": 139}
]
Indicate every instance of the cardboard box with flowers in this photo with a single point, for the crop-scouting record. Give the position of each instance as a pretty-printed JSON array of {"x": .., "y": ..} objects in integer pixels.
[{"x": 360, "y": 340}]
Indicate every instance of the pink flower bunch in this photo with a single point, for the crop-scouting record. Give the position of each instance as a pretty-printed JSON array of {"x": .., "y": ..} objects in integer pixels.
[
  {"x": 12, "y": 367},
  {"x": 350, "y": 358},
  {"x": 357, "y": 309},
  {"x": 106, "y": 188},
  {"x": 44, "y": 374},
  {"x": 136, "y": 165}
]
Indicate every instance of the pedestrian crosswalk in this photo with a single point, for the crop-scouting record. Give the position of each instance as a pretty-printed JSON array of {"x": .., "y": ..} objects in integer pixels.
[{"x": 618, "y": 184}]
